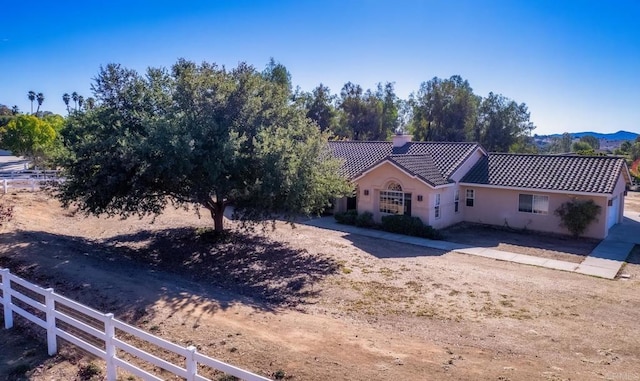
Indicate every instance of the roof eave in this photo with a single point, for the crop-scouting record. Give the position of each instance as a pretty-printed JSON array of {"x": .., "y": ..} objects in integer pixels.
[{"x": 540, "y": 190}]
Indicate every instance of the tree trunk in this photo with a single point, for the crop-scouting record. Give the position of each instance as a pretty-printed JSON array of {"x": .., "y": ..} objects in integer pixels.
[
  {"x": 217, "y": 214},
  {"x": 218, "y": 220}
]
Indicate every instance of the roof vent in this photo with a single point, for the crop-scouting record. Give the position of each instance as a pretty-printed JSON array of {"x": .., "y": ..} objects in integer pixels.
[{"x": 400, "y": 140}]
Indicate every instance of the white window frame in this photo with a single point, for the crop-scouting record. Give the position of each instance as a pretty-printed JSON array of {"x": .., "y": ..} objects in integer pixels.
[
  {"x": 456, "y": 201},
  {"x": 437, "y": 206},
  {"x": 391, "y": 202},
  {"x": 539, "y": 204},
  {"x": 470, "y": 196},
  {"x": 392, "y": 199}
]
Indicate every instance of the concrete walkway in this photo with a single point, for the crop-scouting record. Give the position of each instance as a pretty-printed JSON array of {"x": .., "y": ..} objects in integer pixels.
[
  {"x": 604, "y": 261},
  {"x": 607, "y": 258}
]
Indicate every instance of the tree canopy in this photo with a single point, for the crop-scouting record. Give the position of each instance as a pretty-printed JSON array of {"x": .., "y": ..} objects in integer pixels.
[
  {"x": 38, "y": 139},
  {"x": 444, "y": 110},
  {"x": 197, "y": 134},
  {"x": 441, "y": 110}
]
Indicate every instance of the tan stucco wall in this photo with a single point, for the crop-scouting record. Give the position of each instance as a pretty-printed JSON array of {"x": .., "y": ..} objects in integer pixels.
[
  {"x": 496, "y": 206},
  {"x": 378, "y": 179}
]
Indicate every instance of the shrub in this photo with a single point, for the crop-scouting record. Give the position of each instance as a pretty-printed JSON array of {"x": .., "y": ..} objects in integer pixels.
[
  {"x": 408, "y": 225},
  {"x": 89, "y": 372},
  {"x": 577, "y": 215},
  {"x": 365, "y": 220},
  {"x": 346, "y": 218}
]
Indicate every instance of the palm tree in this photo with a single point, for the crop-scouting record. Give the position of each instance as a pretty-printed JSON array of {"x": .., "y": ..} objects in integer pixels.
[
  {"x": 74, "y": 96},
  {"x": 91, "y": 103},
  {"x": 80, "y": 101},
  {"x": 40, "y": 99},
  {"x": 15, "y": 110},
  {"x": 66, "y": 98},
  {"x": 32, "y": 97}
]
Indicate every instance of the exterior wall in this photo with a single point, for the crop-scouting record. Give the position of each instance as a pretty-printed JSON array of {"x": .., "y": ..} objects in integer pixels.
[
  {"x": 619, "y": 190},
  {"x": 378, "y": 179},
  {"x": 467, "y": 165},
  {"x": 496, "y": 206}
]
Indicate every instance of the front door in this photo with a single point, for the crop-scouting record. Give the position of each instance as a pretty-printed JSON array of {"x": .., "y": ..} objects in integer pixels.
[
  {"x": 352, "y": 203},
  {"x": 407, "y": 204}
]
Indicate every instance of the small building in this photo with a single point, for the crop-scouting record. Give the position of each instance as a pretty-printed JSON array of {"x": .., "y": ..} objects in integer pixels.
[{"x": 446, "y": 183}]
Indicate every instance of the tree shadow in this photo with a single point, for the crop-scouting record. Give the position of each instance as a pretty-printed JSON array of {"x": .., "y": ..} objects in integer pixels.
[
  {"x": 249, "y": 264},
  {"x": 378, "y": 243},
  {"x": 21, "y": 350},
  {"x": 386, "y": 249},
  {"x": 127, "y": 274},
  {"x": 634, "y": 256}
]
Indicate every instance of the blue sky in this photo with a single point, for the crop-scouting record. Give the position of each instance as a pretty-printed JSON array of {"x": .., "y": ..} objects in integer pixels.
[{"x": 576, "y": 64}]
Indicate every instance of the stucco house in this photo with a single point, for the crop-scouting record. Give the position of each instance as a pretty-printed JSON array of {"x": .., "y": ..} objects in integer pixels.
[{"x": 446, "y": 183}]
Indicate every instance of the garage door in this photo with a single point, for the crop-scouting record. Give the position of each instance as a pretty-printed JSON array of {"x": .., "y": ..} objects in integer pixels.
[{"x": 613, "y": 212}]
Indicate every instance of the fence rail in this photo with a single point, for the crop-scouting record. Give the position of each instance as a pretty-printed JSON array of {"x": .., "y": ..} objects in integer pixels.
[
  {"x": 27, "y": 179},
  {"x": 95, "y": 332}
]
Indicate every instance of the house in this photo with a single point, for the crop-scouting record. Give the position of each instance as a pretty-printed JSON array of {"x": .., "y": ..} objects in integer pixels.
[{"x": 445, "y": 183}]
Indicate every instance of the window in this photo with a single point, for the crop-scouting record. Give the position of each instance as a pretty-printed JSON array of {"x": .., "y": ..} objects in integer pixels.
[
  {"x": 437, "y": 208},
  {"x": 530, "y": 203},
  {"x": 394, "y": 200},
  {"x": 471, "y": 195},
  {"x": 456, "y": 201}
]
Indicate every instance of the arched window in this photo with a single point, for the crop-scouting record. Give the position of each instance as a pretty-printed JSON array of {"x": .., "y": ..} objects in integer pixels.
[
  {"x": 394, "y": 201},
  {"x": 393, "y": 186}
]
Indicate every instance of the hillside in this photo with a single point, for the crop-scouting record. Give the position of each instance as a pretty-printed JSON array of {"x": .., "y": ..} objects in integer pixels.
[{"x": 620, "y": 135}]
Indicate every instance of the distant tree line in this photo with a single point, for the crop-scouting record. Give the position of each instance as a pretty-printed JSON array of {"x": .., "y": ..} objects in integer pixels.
[{"x": 441, "y": 110}]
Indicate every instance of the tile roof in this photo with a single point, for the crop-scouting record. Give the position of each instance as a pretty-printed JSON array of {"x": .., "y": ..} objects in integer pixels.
[
  {"x": 447, "y": 156},
  {"x": 421, "y": 166},
  {"x": 591, "y": 174},
  {"x": 359, "y": 156},
  {"x": 433, "y": 162}
]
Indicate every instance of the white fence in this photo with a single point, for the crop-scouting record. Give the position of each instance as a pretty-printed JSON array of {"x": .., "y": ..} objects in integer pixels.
[
  {"x": 101, "y": 334},
  {"x": 27, "y": 179}
]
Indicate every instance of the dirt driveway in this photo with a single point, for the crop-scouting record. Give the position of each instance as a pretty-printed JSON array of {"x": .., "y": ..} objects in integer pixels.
[{"x": 321, "y": 305}]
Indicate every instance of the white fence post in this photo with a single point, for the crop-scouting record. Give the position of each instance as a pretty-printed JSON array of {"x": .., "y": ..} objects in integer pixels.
[
  {"x": 192, "y": 364},
  {"x": 110, "y": 333},
  {"x": 6, "y": 298},
  {"x": 33, "y": 185},
  {"x": 52, "y": 342},
  {"x": 4, "y": 185}
]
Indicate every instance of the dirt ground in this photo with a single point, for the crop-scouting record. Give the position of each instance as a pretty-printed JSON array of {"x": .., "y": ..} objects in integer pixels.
[
  {"x": 553, "y": 246},
  {"x": 321, "y": 305}
]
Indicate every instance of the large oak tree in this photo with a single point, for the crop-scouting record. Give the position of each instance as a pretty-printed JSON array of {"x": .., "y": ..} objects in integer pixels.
[{"x": 197, "y": 134}]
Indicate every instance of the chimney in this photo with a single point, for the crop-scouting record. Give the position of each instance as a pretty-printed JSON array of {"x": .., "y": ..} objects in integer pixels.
[{"x": 399, "y": 140}]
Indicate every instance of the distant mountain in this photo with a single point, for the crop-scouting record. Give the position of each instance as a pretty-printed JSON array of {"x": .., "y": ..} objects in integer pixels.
[{"x": 620, "y": 135}]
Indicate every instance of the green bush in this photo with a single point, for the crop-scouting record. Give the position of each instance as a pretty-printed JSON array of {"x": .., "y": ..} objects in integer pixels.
[
  {"x": 408, "y": 225},
  {"x": 365, "y": 220},
  {"x": 347, "y": 218},
  {"x": 577, "y": 215}
]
